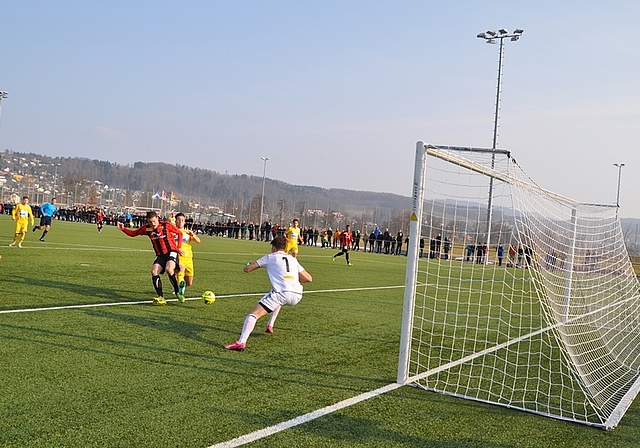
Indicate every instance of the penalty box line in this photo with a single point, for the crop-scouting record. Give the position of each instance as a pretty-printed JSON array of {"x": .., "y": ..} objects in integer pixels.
[
  {"x": 142, "y": 302},
  {"x": 265, "y": 432}
]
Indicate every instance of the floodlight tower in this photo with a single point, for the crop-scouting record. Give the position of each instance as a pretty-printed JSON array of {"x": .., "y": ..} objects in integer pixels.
[
  {"x": 491, "y": 37},
  {"x": 3, "y": 95},
  {"x": 55, "y": 180},
  {"x": 619, "y": 165},
  {"x": 264, "y": 173}
]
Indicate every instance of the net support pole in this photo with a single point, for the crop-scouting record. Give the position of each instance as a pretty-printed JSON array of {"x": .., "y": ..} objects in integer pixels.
[
  {"x": 570, "y": 263},
  {"x": 417, "y": 195}
]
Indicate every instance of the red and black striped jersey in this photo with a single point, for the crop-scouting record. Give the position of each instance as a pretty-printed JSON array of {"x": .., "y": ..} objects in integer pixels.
[{"x": 165, "y": 238}]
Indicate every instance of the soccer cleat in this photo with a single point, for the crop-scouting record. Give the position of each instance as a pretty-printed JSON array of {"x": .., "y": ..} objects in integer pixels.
[
  {"x": 349, "y": 264},
  {"x": 237, "y": 346},
  {"x": 20, "y": 245},
  {"x": 333, "y": 258},
  {"x": 11, "y": 244},
  {"x": 41, "y": 239},
  {"x": 35, "y": 228},
  {"x": 269, "y": 329},
  {"x": 159, "y": 301},
  {"x": 181, "y": 287},
  {"x": 180, "y": 297}
]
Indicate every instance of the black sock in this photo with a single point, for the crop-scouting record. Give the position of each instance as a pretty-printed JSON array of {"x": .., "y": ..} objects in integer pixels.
[
  {"x": 157, "y": 284},
  {"x": 174, "y": 282}
]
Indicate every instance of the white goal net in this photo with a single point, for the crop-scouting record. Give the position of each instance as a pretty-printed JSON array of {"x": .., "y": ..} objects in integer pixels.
[{"x": 515, "y": 295}]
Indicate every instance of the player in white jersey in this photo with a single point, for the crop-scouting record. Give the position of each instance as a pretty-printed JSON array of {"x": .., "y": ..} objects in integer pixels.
[{"x": 286, "y": 276}]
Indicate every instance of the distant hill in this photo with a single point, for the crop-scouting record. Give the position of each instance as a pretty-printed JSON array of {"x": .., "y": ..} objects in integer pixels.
[{"x": 201, "y": 185}]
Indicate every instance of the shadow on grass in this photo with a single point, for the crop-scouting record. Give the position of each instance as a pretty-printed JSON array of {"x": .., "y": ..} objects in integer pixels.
[
  {"x": 105, "y": 294},
  {"x": 227, "y": 363}
]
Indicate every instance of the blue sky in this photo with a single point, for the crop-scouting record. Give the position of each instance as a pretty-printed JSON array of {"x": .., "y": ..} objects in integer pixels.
[{"x": 335, "y": 93}]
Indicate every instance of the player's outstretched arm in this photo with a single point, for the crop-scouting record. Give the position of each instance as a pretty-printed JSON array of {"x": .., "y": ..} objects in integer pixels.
[
  {"x": 130, "y": 232},
  {"x": 304, "y": 277},
  {"x": 251, "y": 266}
]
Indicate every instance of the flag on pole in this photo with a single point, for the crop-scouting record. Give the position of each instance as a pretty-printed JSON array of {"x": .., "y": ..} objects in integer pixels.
[{"x": 156, "y": 195}]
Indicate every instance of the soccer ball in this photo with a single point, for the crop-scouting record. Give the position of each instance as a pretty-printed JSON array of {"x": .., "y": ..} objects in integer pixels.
[{"x": 208, "y": 297}]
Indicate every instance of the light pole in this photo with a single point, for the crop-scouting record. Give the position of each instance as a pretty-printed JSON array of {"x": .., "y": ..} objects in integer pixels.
[
  {"x": 55, "y": 180},
  {"x": 264, "y": 173},
  {"x": 3, "y": 95},
  {"x": 491, "y": 37},
  {"x": 619, "y": 165}
]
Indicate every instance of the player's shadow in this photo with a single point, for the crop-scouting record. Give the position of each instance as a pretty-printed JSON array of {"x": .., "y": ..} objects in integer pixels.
[
  {"x": 160, "y": 322},
  {"x": 105, "y": 294}
]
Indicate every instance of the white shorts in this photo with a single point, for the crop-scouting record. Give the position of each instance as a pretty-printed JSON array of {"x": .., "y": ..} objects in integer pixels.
[{"x": 272, "y": 300}]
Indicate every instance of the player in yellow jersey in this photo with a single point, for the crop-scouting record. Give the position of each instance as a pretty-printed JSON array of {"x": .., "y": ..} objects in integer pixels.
[
  {"x": 21, "y": 214},
  {"x": 185, "y": 274},
  {"x": 293, "y": 235}
]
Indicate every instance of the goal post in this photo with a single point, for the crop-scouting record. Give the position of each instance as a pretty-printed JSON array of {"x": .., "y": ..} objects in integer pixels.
[{"x": 515, "y": 295}]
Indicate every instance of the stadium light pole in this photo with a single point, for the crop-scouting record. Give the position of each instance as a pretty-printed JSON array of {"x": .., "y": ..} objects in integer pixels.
[
  {"x": 3, "y": 95},
  {"x": 492, "y": 37},
  {"x": 264, "y": 174},
  {"x": 619, "y": 165},
  {"x": 55, "y": 179}
]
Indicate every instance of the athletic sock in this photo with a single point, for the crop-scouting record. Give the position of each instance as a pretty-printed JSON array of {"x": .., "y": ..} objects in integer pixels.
[
  {"x": 174, "y": 282},
  {"x": 157, "y": 284},
  {"x": 274, "y": 315},
  {"x": 247, "y": 327}
]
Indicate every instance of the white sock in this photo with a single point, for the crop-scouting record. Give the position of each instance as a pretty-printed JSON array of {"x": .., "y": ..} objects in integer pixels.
[
  {"x": 274, "y": 315},
  {"x": 247, "y": 328}
]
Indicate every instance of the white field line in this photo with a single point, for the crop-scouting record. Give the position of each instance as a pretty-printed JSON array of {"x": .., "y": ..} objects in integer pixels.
[
  {"x": 142, "y": 302},
  {"x": 265, "y": 432}
]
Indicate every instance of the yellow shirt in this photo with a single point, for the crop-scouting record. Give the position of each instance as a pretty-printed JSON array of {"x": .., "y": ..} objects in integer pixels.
[
  {"x": 22, "y": 212},
  {"x": 186, "y": 243},
  {"x": 292, "y": 234}
]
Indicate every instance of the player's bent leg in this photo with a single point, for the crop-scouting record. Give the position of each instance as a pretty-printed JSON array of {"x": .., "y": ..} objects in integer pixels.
[
  {"x": 272, "y": 320},
  {"x": 157, "y": 284}
]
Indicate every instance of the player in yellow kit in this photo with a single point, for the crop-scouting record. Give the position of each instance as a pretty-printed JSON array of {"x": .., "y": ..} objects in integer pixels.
[
  {"x": 185, "y": 274},
  {"x": 293, "y": 237},
  {"x": 21, "y": 214}
]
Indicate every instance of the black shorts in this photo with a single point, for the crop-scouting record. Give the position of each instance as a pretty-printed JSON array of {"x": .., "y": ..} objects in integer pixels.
[
  {"x": 345, "y": 249},
  {"x": 265, "y": 308},
  {"x": 45, "y": 221},
  {"x": 162, "y": 260}
]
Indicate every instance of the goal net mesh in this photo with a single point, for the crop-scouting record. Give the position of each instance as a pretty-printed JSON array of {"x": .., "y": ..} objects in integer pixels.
[{"x": 521, "y": 297}]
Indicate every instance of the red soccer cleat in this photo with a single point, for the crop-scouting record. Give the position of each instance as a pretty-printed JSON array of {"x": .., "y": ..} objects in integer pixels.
[
  {"x": 269, "y": 329},
  {"x": 237, "y": 346}
]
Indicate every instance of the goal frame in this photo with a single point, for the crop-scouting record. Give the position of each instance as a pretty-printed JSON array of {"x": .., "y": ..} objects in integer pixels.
[{"x": 443, "y": 152}]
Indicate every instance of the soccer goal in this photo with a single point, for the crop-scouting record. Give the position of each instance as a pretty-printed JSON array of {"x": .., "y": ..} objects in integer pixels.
[{"x": 515, "y": 295}]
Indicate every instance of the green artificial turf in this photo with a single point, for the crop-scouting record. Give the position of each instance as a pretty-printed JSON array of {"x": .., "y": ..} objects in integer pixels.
[{"x": 135, "y": 375}]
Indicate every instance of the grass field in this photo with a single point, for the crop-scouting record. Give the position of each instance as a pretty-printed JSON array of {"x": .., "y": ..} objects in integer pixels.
[{"x": 119, "y": 372}]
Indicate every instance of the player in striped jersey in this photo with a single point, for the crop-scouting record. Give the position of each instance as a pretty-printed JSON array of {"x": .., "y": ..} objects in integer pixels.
[{"x": 167, "y": 242}]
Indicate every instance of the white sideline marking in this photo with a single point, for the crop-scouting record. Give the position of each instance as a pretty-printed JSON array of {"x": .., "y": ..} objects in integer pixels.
[
  {"x": 142, "y": 302},
  {"x": 265, "y": 432}
]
